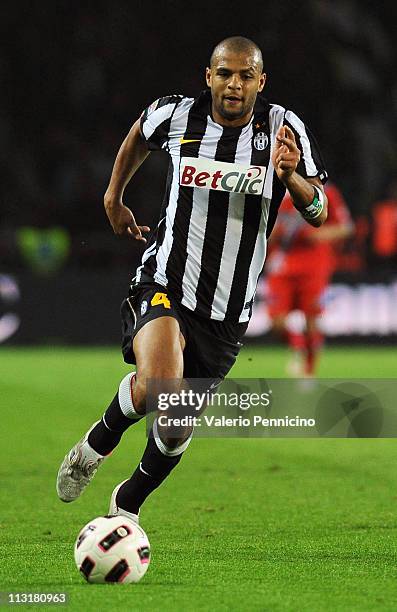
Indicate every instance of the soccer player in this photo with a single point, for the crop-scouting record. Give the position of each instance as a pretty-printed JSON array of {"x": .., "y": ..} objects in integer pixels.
[
  {"x": 232, "y": 156},
  {"x": 299, "y": 267}
]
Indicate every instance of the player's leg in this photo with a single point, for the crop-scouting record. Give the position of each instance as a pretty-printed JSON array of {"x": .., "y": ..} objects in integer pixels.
[
  {"x": 210, "y": 351},
  {"x": 83, "y": 460},
  {"x": 314, "y": 342},
  {"x": 295, "y": 340},
  {"x": 281, "y": 298},
  {"x": 81, "y": 463},
  {"x": 129, "y": 405},
  {"x": 126, "y": 407},
  {"x": 279, "y": 301},
  {"x": 279, "y": 325},
  {"x": 312, "y": 289},
  {"x": 158, "y": 348}
]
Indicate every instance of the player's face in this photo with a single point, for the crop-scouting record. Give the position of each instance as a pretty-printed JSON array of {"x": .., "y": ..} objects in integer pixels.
[{"x": 235, "y": 80}]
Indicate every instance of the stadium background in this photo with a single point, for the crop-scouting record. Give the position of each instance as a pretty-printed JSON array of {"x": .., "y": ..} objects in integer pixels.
[
  {"x": 76, "y": 76},
  {"x": 271, "y": 524}
]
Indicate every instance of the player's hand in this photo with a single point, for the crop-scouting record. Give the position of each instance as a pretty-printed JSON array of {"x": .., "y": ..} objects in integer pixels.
[
  {"x": 285, "y": 155},
  {"x": 123, "y": 222}
]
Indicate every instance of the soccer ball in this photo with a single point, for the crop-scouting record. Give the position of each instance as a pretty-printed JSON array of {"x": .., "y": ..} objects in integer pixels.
[{"x": 112, "y": 549}]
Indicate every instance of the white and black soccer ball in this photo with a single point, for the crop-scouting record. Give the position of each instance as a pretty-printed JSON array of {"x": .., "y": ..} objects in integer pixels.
[{"x": 112, "y": 549}]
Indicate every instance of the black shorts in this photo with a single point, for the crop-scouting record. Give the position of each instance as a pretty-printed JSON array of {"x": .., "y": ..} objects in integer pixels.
[{"x": 211, "y": 346}]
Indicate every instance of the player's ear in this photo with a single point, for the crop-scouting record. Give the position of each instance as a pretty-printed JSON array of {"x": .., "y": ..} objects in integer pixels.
[
  {"x": 262, "y": 81},
  {"x": 208, "y": 76}
]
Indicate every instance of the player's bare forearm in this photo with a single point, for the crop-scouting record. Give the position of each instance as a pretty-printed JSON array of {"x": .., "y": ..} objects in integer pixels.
[
  {"x": 131, "y": 155},
  {"x": 302, "y": 194}
]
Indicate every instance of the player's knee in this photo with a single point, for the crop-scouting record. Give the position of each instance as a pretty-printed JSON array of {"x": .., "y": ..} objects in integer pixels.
[
  {"x": 167, "y": 367},
  {"x": 134, "y": 392},
  {"x": 155, "y": 379}
]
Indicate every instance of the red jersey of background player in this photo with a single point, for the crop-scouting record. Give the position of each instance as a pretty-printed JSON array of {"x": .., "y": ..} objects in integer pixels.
[
  {"x": 300, "y": 265},
  {"x": 294, "y": 246}
]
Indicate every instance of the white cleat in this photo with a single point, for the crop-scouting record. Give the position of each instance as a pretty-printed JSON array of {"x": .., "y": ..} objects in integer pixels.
[
  {"x": 114, "y": 509},
  {"x": 77, "y": 470}
]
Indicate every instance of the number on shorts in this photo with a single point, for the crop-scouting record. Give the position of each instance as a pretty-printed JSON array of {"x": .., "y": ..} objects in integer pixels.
[{"x": 161, "y": 298}]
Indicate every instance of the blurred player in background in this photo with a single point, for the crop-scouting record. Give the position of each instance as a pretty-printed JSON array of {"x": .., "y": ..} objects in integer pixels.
[
  {"x": 299, "y": 267},
  {"x": 384, "y": 228}
]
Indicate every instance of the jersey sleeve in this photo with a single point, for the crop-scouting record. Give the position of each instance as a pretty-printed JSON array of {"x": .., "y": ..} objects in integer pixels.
[
  {"x": 156, "y": 120},
  {"x": 311, "y": 163}
]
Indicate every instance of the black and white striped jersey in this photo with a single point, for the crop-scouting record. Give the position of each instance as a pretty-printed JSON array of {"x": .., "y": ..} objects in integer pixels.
[{"x": 220, "y": 204}]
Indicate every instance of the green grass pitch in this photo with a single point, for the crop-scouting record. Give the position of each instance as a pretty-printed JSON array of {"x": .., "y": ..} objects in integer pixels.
[{"x": 248, "y": 524}]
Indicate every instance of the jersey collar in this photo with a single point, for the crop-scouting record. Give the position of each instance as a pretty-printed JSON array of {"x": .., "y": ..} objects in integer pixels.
[{"x": 203, "y": 104}]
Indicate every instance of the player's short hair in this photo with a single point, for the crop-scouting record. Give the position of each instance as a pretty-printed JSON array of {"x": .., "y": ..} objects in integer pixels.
[{"x": 238, "y": 44}]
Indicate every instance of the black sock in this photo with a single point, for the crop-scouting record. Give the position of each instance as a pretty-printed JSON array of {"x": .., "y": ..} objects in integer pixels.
[
  {"x": 151, "y": 472},
  {"x": 107, "y": 433}
]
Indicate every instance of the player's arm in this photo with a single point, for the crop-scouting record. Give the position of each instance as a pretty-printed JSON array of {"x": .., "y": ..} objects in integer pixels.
[
  {"x": 339, "y": 224},
  {"x": 333, "y": 232},
  {"x": 307, "y": 193},
  {"x": 131, "y": 155}
]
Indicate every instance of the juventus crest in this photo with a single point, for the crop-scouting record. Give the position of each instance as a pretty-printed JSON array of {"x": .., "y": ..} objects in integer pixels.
[{"x": 261, "y": 141}]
